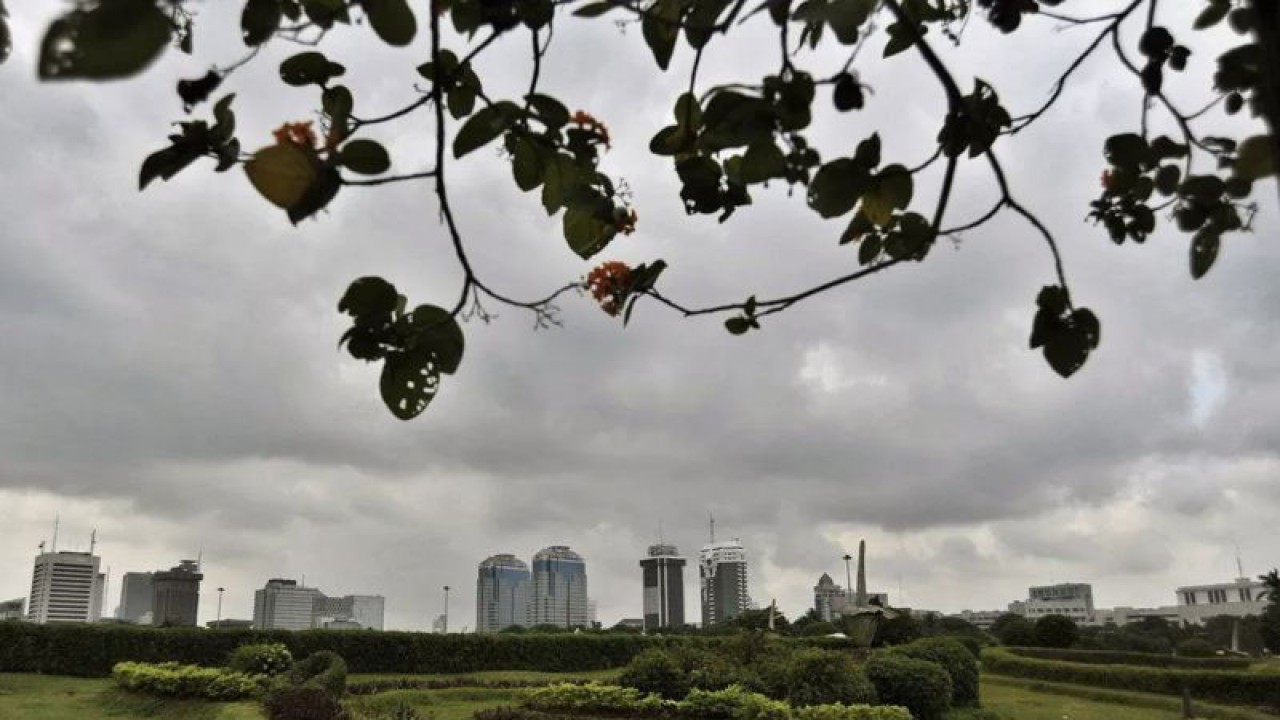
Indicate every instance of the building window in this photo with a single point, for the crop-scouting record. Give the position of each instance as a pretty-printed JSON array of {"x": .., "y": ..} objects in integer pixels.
[
  {"x": 1246, "y": 594},
  {"x": 1189, "y": 597}
]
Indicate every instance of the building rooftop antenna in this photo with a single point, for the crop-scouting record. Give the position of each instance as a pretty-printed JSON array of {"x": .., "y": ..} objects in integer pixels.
[
  {"x": 54, "y": 547},
  {"x": 1239, "y": 565},
  {"x": 712, "y": 518},
  {"x": 93, "y": 540}
]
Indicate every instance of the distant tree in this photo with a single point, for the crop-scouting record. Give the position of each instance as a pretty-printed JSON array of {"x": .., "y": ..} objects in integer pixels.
[
  {"x": 759, "y": 620},
  {"x": 815, "y": 629},
  {"x": 1056, "y": 631},
  {"x": 1220, "y": 629},
  {"x": 1196, "y": 648},
  {"x": 957, "y": 626},
  {"x": 1270, "y": 621},
  {"x": 901, "y": 629},
  {"x": 997, "y": 627},
  {"x": 1018, "y": 632},
  {"x": 726, "y": 142}
]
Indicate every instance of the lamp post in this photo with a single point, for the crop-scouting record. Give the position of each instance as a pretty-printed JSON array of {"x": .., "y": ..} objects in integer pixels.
[
  {"x": 446, "y": 609},
  {"x": 218, "y": 624}
]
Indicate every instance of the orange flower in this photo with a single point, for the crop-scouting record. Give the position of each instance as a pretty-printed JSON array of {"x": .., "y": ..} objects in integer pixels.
[
  {"x": 299, "y": 133},
  {"x": 589, "y": 122},
  {"x": 610, "y": 283}
]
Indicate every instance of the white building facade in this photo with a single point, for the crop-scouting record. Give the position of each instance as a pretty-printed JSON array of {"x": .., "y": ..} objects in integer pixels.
[
  {"x": 1243, "y": 596},
  {"x": 66, "y": 587},
  {"x": 1073, "y": 600}
]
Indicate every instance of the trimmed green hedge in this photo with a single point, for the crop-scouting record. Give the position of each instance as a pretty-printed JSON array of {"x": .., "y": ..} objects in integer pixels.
[
  {"x": 955, "y": 658},
  {"x": 1114, "y": 657},
  {"x": 1234, "y": 688},
  {"x": 921, "y": 686},
  {"x": 732, "y": 703},
  {"x": 91, "y": 650},
  {"x": 187, "y": 681}
]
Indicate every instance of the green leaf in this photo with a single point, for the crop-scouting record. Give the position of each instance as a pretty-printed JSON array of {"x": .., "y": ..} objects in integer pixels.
[
  {"x": 258, "y": 21},
  {"x": 551, "y": 111},
  {"x": 1204, "y": 251},
  {"x": 901, "y": 37},
  {"x": 869, "y": 249},
  {"x": 1255, "y": 158},
  {"x": 1127, "y": 150},
  {"x": 484, "y": 127},
  {"x": 365, "y": 157},
  {"x": 1212, "y": 15},
  {"x": 436, "y": 331},
  {"x": 645, "y": 276},
  {"x": 1202, "y": 187},
  {"x": 317, "y": 196},
  {"x": 847, "y": 94},
  {"x": 392, "y": 20},
  {"x": 409, "y": 382},
  {"x": 660, "y": 28},
  {"x": 337, "y": 104},
  {"x": 868, "y": 153},
  {"x": 108, "y": 41},
  {"x": 585, "y": 233},
  {"x": 737, "y": 325},
  {"x": 309, "y": 68},
  {"x": 836, "y": 187},
  {"x": 688, "y": 112},
  {"x": 368, "y": 296},
  {"x": 762, "y": 161},
  {"x": 526, "y": 163},
  {"x": 890, "y": 190},
  {"x": 168, "y": 162},
  {"x": 595, "y": 9},
  {"x": 561, "y": 175},
  {"x": 282, "y": 173}
]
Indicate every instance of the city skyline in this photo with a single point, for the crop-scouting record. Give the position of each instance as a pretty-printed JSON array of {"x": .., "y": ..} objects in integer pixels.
[{"x": 793, "y": 600}]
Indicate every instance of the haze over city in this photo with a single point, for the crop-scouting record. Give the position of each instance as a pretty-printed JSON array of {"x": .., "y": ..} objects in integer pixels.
[{"x": 171, "y": 378}]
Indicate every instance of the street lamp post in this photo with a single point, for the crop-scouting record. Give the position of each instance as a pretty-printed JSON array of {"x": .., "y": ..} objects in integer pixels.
[
  {"x": 446, "y": 609},
  {"x": 848, "y": 577},
  {"x": 218, "y": 624}
]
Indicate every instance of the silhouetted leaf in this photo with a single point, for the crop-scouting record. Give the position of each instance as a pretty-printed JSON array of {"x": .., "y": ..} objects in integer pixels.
[
  {"x": 317, "y": 196},
  {"x": 585, "y": 233},
  {"x": 762, "y": 161},
  {"x": 259, "y": 20},
  {"x": 595, "y": 9},
  {"x": 660, "y": 28},
  {"x": 847, "y": 94},
  {"x": 366, "y": 157},
  {"x": 166, "y": 163},
  {"x": 194, "y": 92},
  {"x": 392, "y": 20},
  {"x": 282, "y": 173},
  {"x": 737, "y": 325},
  {"x": 1204, "y": 251},
  {"x": 1255, "y": 158},
  {"x": 368, "y": 296},
  {"x": 836, "y": 187},
  {"x": 551, "y": 111},
  {"x": 409, "y": 383},
  {"x": 526, "y": 163},
  {"x": 309, "y": 68},
  {"x": 1213, "y": 14},
  {"x": 484, "y": 127},
  {"x": 434, "y": 330},
  {"x": 103, "y": 41},
  {"x": 6, "y": 42}
]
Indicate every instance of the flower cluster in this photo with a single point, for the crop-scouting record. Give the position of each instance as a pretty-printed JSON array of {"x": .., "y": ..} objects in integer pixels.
[
  {"x": 1107, "y": 179},
  {"x": 589, "y": 122},
  {"x": 299, "y": 133},
  {"x": 609, "y": 285}
]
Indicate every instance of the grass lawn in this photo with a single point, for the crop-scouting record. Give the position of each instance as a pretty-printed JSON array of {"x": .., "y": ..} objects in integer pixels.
[
  {"x": 451, "y": 704},
  {"x": 48, "y": 697},
  {"x": 1016, "y": 698}
]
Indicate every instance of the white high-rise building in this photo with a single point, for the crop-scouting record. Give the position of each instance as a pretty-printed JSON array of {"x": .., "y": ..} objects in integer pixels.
[
  {"x": 66, "y": 587},
  {"x": 722, "y": 567}
]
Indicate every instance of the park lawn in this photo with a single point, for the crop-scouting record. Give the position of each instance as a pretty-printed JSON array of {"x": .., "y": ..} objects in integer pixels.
[
  {"x": 51, "y": 697},
  {"x": 1033, "y": 699}
]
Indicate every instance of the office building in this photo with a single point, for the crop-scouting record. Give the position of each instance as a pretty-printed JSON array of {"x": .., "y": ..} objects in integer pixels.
[
  {"x": 66, "y": 587},
  {"x": 662, "y": 573},
  {"x": 176, "y": 595},
  {"x": 558, "y": 589},
  {"x": 722, "y": 568},
  {"x": 348, "y": 612},
  {"x": 1073, "y": 600},
  {"x": 502, "y": 593},
  {"x": 1244, "y": 596},
  {"x": 284, "y": 605},
  {"x": 136, "y": 594},
  {"x": 13, "y": 609}
]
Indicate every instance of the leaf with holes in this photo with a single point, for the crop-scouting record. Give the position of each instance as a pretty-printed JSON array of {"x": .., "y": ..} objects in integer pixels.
[
  {"x": 1204, "y": 251},
  {"x": 433, "y": 329},
  {"x": 409, "y": 383},
  {"x": 104, "y": 41}
]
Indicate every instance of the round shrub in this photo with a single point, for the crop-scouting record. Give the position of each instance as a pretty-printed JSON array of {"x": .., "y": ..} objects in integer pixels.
[
  {"x": 324, "y": 670},
  {"x": 658, "y": 672},
  {"x": 822, "y": 677},
  {"x": 769, "y": 672},
  {"x": 708, "y": 670},
  {"x": 1017, "y": 632},
  {"x": 302, "y": 703},
  {"x": 1196, "y": 648},
  {"x": 1056, "y": 631},
  {"x": 952, "y": 656},
  {"x": 920, "y": 686},
  {"x": 261, "y": 659}
]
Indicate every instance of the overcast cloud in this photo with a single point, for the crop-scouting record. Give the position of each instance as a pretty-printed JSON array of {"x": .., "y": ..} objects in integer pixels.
[{"x": 168, "y": 372}]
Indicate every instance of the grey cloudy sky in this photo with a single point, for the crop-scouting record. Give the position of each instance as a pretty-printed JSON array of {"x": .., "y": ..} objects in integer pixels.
[{"x": 168, "y": 372}]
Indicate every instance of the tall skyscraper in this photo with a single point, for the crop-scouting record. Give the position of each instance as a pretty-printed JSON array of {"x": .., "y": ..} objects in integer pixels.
[
  {"x": 284, "y": 605},
  {"x": 558, "y": 592},
  {"x": 135, "y": 596},
  {"x": 66, "y": 587},
  {"x": 663, "y": 575},
  {"x": 502, "y": 593},
  {"x": 176, "y": 595},
  {"x": 723, "y": 570}
]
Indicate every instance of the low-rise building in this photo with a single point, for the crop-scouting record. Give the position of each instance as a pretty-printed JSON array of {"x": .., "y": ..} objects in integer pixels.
[
  {"x": 13, "y": 609},
  {"x": 1073, "y": 600},
  {"x": 1243, "y": 596}
]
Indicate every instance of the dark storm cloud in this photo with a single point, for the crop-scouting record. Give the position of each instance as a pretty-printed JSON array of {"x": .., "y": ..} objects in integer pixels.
[{"x": 169, "y": 357}]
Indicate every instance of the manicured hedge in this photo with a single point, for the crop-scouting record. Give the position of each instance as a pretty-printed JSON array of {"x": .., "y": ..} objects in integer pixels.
[
  {"x": 732, "y": 703},
  {"x": 955, "y": 658},
  {"x": 1233, "y": 688},
  {"x": 1115, "y": 657},
  {"x": 187, "y": 681},
  {"x": 91, "y": 650}
]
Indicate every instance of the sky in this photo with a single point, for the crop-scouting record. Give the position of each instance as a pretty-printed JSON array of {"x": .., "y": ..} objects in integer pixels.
[{"x": 169, "y": 373}]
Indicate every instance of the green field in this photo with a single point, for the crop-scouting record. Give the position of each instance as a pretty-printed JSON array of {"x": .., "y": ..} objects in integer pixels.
[{"x": 41, "y": 697}]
